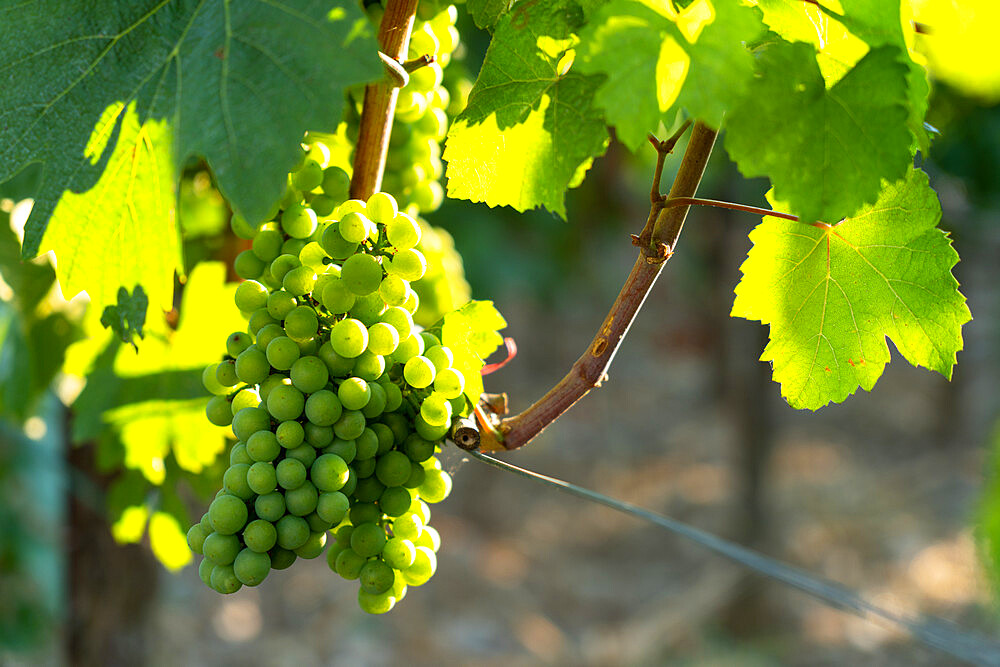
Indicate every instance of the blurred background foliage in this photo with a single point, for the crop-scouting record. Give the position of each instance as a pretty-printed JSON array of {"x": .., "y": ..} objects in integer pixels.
[{"x": 99, "y": 442}]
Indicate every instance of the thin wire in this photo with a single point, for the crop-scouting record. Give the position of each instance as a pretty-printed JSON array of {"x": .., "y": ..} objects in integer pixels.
[{"x": 933, "y": 632}]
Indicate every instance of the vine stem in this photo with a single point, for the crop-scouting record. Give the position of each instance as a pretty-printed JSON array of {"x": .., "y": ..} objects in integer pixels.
[
  {"x": 746, "y": 208},
  {"x": 656, "y": 244},
  {"x": 380, "y": 102}
]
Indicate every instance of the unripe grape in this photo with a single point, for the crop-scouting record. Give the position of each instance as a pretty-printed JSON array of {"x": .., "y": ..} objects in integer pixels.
[
  {"x": 309, "y": 177},
  {"x": 349, "y": 338},
  {"x": 250, "y": 295},
  {"x": 361, "y": 273},
  {"x": 224, "y": 579},
  {"x": 381, "y": 207},
  {"x": 298, "y": 221},
  {"x": 219, "y": 411},
  {"x": 419, "y": 372}
]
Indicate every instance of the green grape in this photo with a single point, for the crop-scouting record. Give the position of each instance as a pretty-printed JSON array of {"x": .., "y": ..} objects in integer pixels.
[
  {"x": 313, "y": 255},
  {"x": 381, "y": 207},
  {"x": 221, "y": 549},
  {"x": 196, "y": 537},
  {"x": 375, "y": 604},
  {"x": 267, "y": 333},
  {"x": 417, "y": 476},
  {"x": 376, "y": 577},
  {"x": 301, "y": 500},
  {"x": 336, "y": 297},
  {"x": 407, "y": 264},
  {"x": 367, "y": 539},
  {"x": 267, "y": 245},
  {"x": 424, "y": 41},
  {"x": 323, "y": 205},
  {"x": 251, "y": 567},
  {"x": 369, "y": 489},
  {"x": 393, "y": 397},
  {"x": 428, "y": 196},
  {"x": 393, "y": 468},
  {"x": 238, "y": 454},
  {"x": 376, "y": 404},
  {"x": 354, "y": 393},
  {"x": 237, "y": 342},
  {"x": 260, "y": 535},
  {"x": 412, "y": 302},
  {"x": 349, "y": 338},
  {"x": 449, "y": 382},
  {"x": 313, "y": 547},
  {"x": 361, "y": 273},
  {"x": 308, "y": 348},
  {"x": 234, "y": 482},
  {"x": 349, "y": 564},
  {"x": 298, "y": 221},
  {"x": 424, "y": 565},
  {"x": 301, "y": 324},
  {"x": 364, "y": 468},
  {"x": 263, "y": 446},
  {"x": 441, "y": 356},
  {"x": 248, "y": 265},
  {"x": 291, "y": 473},
  {"x": 290, "y": 434},
  {"x": 383, "y": 339},
  {"x": 399, "y": 553},
  {"x": 430, "y": 340},
  {"x": 205, "y": 568},
  {"x": 429, "y": 538},
  {"x": 224, "y": 579},
  {"x": 293, "y": 532},
  {"x": 407, "y": 526},
  {"x": 393, "y": 290},
  {"x": 436, "y": 486},
  {"x": 273, "y": 380},
  {"x": 241, "y": 228},
  {"x": 316, "y": 522},
  {"x": 284, "y": 263},
  {"x": 309, "y": 177},
  {"x": 336, "y": 245},
  {"x": 403, "y": 232},
  {"x": 323, "y": 408},
  {"x": 354, "y": 227},
  {"x": 299, "y": 280},
  {"x": 367, "y": 309},
  {"x": 285, "y": 402},
  {"x": 318, "y": 436},
  {"x": 245, "y": 398},
  {"x": 219, "y": 411},
  {"x": 418, "y": 372},
  {"x": 259, "y": 319},
  {"x": 281, "y": 558},
  {"x": 309, "y": 374},
  {"x": 282, "y": 352},
  {"x": 365, "y": 513},
  {"x": 270, "y": 506},
  {"x": 279, "y": 304},
  {"x": 262, "y": 479},
  {"x": 250, "y": 295},
  {"x": 336, "y": 183},
  {"x": 293, "y": 247},
  {"x": 332, "y": 506},
  {"x": 345, "y": 449},
  {"x": 228, "y": 514},
  {"x": 395, "y": 500},
  {"x": 367, "y": 444},
  {"x": 434, "y": 123},
  {"x": 421, "y": 509},
  {"x": 210, "y": 380},
  {"x": 305, "y": 453},
  {"x": 385, "y": 437},
  {"x": 429, "y": 431},
  {"x": 436, "y": 410},
  {"x": 350, "y": 425}
]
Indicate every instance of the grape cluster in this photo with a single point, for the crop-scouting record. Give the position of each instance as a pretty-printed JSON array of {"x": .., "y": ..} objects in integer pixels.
[{"x": 338, "y": 402}]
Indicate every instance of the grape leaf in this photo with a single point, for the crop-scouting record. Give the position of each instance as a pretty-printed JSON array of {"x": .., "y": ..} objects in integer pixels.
[
  {"x": 960, "y": 45},
  {"x": 127, "y": 318},
  {"x": 833, "y": 294},
  {"x": 237, "y": 83},
  {"x": 658, "y": 60},
  {"x": 825, "y": 150},
  {"x": 530, "y": 126},
  {"x": 472, "y": 334},
  {"x": 486, "y": 13}
]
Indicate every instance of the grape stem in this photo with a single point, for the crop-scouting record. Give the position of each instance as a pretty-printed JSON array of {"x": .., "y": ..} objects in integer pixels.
[
  {"x": 380, "y": 102},
  {"x": 746, "y": 208},
  {"x": 656, "y": 244}
]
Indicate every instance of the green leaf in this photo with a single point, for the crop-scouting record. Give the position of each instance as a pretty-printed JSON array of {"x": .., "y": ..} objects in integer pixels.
[
  {"x": 472, "y": 334},
  {"x": 825, "y": 150},
  {"x": 486, "y": 13},
  {"x": 833, "y": 294},
  {"x": 168, "y": 540},
  {"x": 657, "y": 61},
  {"x": 128, "y": 317},
  {"x": 530, "y": 125},
  {"x": 30, "y": 281},
  {"x": 237, "y": 83}
]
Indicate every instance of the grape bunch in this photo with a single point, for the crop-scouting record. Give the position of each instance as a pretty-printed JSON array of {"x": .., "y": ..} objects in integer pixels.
[{"x": 337, "y": 400}]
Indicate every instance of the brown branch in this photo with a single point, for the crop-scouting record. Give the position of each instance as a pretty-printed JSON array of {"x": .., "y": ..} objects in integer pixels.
[
  {"x": 380, "y": 102},
  {"x": 591, "y": 368},
  {"x": 746, "y": 208}
]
